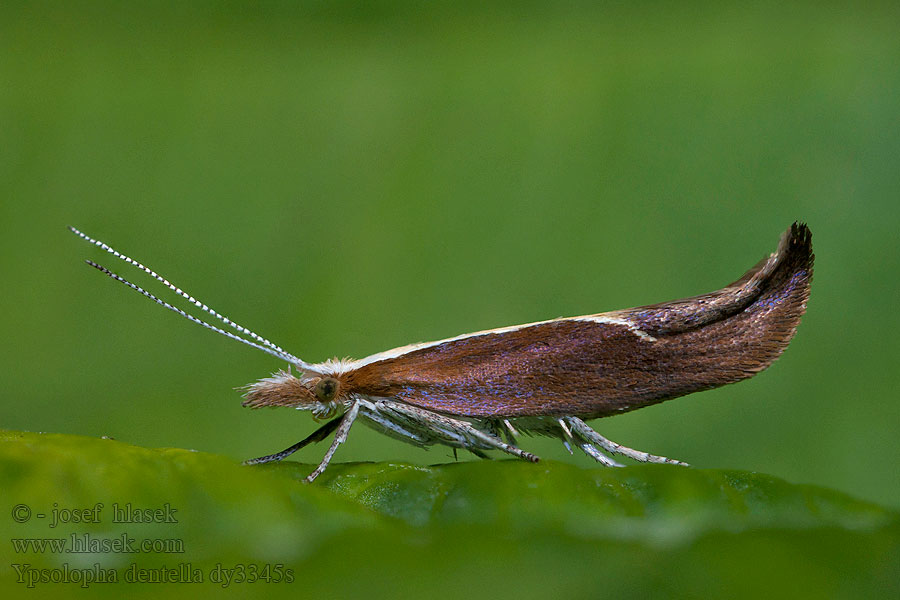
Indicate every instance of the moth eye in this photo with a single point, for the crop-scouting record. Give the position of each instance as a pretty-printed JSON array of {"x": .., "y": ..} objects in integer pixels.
[{"x": 326, "y": 388}]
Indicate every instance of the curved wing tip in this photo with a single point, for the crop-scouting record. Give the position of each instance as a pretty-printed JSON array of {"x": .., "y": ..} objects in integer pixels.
[
  {"x": 799, "y": 234},
  {"x": 795, "y": 246},
  {"x": 798, "y": 240}
]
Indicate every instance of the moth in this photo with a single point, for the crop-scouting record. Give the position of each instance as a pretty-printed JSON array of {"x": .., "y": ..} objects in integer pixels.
[{"x": 479, "y": 391}]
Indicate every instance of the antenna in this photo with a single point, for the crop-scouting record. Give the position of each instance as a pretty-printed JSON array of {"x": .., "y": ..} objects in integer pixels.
[{"x": 266, "y": 346}]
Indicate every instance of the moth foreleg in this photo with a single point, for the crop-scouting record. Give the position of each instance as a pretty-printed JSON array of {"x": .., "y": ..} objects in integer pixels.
[
  {"x": 339, "y": 438},
  {"x": 580, "y": 429},
  {"x": 317, "y": 436}
]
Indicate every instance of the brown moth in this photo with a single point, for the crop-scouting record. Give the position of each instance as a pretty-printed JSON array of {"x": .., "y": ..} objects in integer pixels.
[{"x": 479, "y": 390}]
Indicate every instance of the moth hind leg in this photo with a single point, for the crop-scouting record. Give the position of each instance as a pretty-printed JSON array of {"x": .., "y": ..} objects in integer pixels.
[
  {"x": 587, "y": 439},
  {"x": 569, "y": 438}
]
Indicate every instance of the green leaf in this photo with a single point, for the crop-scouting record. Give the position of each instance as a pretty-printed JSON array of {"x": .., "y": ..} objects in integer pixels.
[{"x": 474, "y": 528}]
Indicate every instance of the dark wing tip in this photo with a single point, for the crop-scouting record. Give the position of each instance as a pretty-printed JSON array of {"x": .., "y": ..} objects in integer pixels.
[
  {"x": 800, "y": 237},
  {"x": 795, "y": 249},
  {"x": 793, "y": 257}
]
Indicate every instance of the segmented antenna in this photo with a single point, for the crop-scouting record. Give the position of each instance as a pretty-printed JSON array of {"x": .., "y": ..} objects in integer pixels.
[{"x": 266, "y": 346}]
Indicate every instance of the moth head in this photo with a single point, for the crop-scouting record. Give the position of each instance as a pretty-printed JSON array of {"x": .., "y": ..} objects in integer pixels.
[{"x": 318, "y": 393}]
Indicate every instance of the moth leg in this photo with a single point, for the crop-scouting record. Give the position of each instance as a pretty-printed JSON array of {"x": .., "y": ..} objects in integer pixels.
[
  {"x": 493, "y": 427},
  {"x": 493, "y": 442},
  {"x": 502, "y": 428},
  {"x": 590, "y": 437},
  {"x": 566, "y": 436},
  {"x": 511, "y": 432},
  {"x": 585, "y": 446},
  {"x": 317, "y": 436},
  {"x": 454, "y": 432},
  {"x": 601, "y": 458},
  {"x": 339, "y": 438},
  {"x": 387, "y": 424}
]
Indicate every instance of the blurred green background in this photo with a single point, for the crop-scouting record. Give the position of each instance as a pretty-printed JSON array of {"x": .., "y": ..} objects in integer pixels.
[{"x": 348, "y": 177}]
